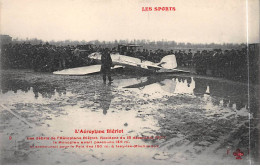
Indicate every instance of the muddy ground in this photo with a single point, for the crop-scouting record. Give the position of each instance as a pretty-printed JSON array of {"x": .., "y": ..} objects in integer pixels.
[{"x": 202, "y": 120}]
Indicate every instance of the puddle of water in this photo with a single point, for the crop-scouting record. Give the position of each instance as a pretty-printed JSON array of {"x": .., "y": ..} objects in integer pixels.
[
  {"x": 182, "y": 108},
  {"x": 221, "y": 93}
]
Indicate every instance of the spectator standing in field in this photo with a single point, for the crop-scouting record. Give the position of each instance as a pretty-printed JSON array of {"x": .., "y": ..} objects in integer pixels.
[
  {"x": 106, "y": 64},
  {"x": 189, "y": 58}
]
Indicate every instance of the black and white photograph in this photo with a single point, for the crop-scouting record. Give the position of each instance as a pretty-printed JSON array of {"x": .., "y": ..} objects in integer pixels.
[{"x": 129, "y": 82}]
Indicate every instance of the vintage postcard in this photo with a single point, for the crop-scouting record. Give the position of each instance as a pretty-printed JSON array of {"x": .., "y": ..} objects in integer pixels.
[{"x": 129, "y": 82}]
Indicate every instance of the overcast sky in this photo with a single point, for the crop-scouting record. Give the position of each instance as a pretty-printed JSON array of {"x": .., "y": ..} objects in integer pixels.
[{"x": 195, "y": 21}]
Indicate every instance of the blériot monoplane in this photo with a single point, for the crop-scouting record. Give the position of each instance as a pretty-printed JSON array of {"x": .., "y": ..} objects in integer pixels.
[{"x": 167, "y": 64}]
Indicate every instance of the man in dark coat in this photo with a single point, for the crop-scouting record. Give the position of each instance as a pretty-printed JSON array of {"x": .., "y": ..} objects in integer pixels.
[{"x": 106, "y": 64}]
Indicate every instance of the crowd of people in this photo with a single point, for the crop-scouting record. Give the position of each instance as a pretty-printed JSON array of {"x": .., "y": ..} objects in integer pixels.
[
  {"x": 44, "y": 57},
  {"x": 47, "y": 58}
]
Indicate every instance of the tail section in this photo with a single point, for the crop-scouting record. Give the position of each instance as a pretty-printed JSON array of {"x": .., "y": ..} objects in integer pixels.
[
  {"x": 168, "y": 62},
  {"x": 95, "y": 56}
]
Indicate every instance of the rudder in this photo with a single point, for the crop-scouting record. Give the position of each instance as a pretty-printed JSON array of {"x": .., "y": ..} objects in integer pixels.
[{"x": 168, "y": 62}]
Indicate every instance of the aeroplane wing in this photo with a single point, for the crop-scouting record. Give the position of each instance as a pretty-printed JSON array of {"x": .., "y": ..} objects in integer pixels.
[{"x": 82, "y": 70}]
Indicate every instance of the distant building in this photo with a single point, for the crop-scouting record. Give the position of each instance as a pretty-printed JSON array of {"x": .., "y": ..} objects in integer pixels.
[{"x": 5, "y": 39}]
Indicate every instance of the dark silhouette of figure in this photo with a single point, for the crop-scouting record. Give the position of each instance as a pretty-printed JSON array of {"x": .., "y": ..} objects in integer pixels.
[
  {"x": 106, "y": 97},
  {"x": 200, "y": 87},
  {"x": 188, "y": 81},
  {"x": 106, "y": 64}
]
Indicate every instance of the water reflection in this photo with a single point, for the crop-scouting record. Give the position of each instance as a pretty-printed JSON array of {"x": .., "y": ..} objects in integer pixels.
[
  {"x": 47, "y": 90},
  {"x": 229, "y": 94},
  {"x": 14, "y": 85},
  {"x": 222, "y": 93},
  {"x": 185, "y": 79},
  {"x": 200, "y": 87},
  {"x": 168, "y": 85},
  {"x": 105, "y": 98}
]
